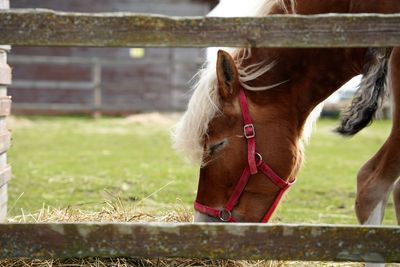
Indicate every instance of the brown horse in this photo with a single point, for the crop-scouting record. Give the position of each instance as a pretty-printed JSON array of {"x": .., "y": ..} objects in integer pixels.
[{"x": 275, "y": 93}]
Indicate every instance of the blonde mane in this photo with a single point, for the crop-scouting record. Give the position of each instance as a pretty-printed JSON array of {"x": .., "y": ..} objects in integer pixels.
[{"x": 204, "y": 104}]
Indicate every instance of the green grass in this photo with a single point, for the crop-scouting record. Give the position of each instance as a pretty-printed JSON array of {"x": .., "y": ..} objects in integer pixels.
[
  {"x": 75, "y": 161},
  {"x": 326, "y": 186},
  {"x": 64, "y": 161}
]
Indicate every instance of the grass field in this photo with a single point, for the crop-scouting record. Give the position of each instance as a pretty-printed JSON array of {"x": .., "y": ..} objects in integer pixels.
[{"x": 80, "y": 162}]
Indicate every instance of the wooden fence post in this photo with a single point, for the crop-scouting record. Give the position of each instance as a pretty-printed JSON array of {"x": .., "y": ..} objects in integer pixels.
[{"x": 5, "y": 105}]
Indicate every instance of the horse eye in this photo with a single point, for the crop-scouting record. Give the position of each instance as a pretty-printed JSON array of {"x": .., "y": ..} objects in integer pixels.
[{"x": 213, "y": 148}]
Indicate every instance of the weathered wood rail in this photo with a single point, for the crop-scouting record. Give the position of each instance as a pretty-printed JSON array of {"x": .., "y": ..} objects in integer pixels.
[
  {"x": 38, "y": 27},
  {"x": 213, "y": 241}
]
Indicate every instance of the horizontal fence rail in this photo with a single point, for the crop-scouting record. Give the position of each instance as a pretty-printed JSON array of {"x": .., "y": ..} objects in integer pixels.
[
  {"x": 213, "y": 241},
  {"x": 54, "y": 85},
  {"x": 38, "y": 27}
]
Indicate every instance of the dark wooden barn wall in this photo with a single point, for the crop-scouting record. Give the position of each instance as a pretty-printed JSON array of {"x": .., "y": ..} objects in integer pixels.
[
  {"x": 166, "y": 7},
  {"x": 159, "y": 81}
]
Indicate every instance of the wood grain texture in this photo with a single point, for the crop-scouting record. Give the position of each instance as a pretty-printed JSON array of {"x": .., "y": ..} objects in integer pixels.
[
  {"x": 56, "y": 85},
  {"x": 165, "y": 7},
  {"x": 5, "y": 70},
  {"x": 214, "y": 241},
  {"x": 3, "y": 203},
  {"x": 5, "y": 47},
  {"x": 5, "y": 74},
  {"x": 127, "y": 86},
  {"x": 3, "y": 194},
  {"x": 5, "y": 142},
  {"x": 4, "y": 4},
  {"x": 5, "y": 175},
  {"x": 50, "y": 28},
  {"x": 5, "y": 106}
]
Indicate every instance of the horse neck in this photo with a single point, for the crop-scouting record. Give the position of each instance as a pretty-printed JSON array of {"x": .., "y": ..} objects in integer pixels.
[
  {"x": 312, "y": 75},
  {"x": 306, "y": 76},
  {"x": 309, "y": 76}
]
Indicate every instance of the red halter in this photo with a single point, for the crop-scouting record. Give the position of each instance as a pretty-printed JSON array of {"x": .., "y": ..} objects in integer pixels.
[{"x": 255, "y": 164}]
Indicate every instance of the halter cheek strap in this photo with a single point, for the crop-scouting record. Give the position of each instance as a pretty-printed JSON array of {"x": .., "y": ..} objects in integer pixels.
[
  {"x": 255, "y": 164},
  {"x": 249, "y": 133}
]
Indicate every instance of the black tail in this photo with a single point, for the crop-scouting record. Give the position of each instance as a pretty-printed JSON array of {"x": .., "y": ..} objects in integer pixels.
[{"x": 370, "y": 95}]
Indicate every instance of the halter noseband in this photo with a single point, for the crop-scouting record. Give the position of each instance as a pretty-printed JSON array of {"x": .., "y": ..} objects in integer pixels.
[{"x": 255, "y": 164}]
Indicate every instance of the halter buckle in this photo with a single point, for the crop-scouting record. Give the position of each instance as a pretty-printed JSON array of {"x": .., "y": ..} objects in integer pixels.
[
  {"x": 225, "y": 215},
  {"x": 259, "y": 159},
  {"x": 249, "y": 131}
]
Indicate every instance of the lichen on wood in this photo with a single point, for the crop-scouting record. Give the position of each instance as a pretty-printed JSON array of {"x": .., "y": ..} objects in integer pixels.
[
  {"x": 212, "y": 241},
  {"x": 38, "y": 27}
]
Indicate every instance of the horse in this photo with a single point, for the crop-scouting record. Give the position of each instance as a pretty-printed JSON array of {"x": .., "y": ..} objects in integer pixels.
[{"x": 252, "y": 110}]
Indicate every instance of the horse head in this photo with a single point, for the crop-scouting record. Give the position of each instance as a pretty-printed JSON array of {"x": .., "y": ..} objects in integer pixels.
[{"x": 250, "y": 148}]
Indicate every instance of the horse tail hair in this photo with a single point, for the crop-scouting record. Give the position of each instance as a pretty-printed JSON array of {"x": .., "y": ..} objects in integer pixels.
[{"x": 370, "y": 95}]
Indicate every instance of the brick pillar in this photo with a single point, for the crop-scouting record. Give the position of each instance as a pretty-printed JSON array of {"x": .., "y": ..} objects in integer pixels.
[{"x": 5, "y": 106}]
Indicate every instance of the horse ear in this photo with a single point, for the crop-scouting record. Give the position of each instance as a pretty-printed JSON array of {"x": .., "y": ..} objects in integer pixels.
[{"x": 227, "y": 75}]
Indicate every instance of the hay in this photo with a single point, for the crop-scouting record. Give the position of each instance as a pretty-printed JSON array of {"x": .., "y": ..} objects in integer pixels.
[{"x": 116, "y": 211}]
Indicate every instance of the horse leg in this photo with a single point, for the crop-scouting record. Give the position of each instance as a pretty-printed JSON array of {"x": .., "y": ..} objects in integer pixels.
[
  {"x": 374, "y": 183},
  {"x": 394, "y": 65},
  {"x": 396, "y": 200},
  {"x": 376, "y": 178}
]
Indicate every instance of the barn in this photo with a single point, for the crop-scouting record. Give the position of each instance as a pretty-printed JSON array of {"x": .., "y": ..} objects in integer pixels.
[{"x": 54, "y": 80}]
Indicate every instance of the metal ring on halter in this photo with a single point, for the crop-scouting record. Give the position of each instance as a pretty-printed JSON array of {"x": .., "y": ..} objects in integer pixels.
[
  {"x": 225, "y": 215},
  {"x": 260, "y": 159}
]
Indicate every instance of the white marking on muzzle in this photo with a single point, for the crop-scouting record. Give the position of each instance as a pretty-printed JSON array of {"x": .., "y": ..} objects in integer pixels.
[{"x": 200, "y": 217}]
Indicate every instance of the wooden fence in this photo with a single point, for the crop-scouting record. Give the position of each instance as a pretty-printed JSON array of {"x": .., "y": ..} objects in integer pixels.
[
  {"x": 215, "y": 241},
  {"x": 5, "y": 136},
  {"x": 50, "y": 28}
]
